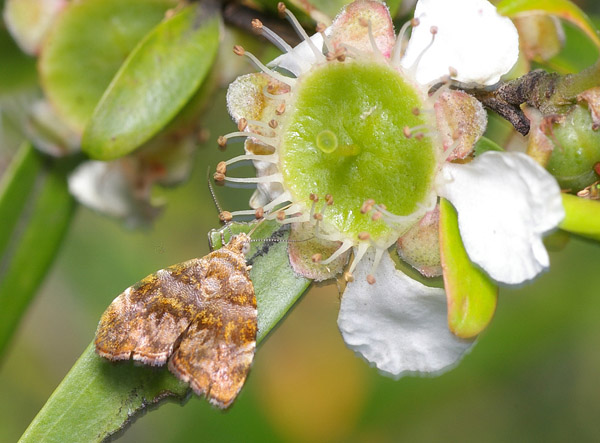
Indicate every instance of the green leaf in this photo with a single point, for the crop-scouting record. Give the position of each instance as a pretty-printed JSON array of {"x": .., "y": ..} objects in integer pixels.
[
  {"x": 98, "y": 398},
  {"x": 35, "y": 209},
  {"x": 471, "y": 294},
  {"x": 155, "y": 82},
  {"x": 582, "y": 217},
  {"x": 85, "y": 48},
  {"x": 564, "y": 9},
  {"x": 485, "y": 144}
]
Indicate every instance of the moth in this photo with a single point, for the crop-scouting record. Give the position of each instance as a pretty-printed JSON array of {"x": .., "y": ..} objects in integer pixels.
[{"x": 198, "y": 316}]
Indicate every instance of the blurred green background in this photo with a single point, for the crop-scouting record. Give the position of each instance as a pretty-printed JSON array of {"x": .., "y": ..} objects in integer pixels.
[{"x": 533, "y": 375}]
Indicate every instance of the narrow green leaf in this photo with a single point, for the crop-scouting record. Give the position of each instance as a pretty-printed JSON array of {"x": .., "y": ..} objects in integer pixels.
[
  {"x": 85, "y": 48},
  {"x": 582, "y": 216},
  {"x": 158, "y": 78},
  {"x": 99, "y": 398},
  {"x": 564, "y": 9},
  {"x": 35, "y": 209},
  {"x": 471, "y": 294}
]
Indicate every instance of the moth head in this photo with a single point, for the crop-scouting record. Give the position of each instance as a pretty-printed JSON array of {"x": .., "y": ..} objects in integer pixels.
[{"x": 239, "y": 243}]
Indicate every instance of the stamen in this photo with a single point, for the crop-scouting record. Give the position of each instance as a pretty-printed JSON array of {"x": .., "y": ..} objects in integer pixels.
[
  {"x": 225, "y": 216},
  {"x": 282, "y": 198},
  {"x": 316, "y": 258},
  {"x": 409, "y": 132},
  {"x": 269, "y": 158},
  {"x": 434, "y": 31},
  {"x": 281, "y": 96},
  {"x": 376, "y": 50},
  {"x": 321, "y": 30},
  {"x": 360, "y": 252},
  {"x": 271, "y": 36},
  {"x": 346, "y": 245},
  {"x": 222, "y": 140},
  {"x": 274, "y": 178},
  {"x": 397, "y": 51},
  {"x": 378, "y": 254},
  {"x": 300, "y": 31},
  {"x": 259, "y": 213},
  {"x": 239, "y": 50}
]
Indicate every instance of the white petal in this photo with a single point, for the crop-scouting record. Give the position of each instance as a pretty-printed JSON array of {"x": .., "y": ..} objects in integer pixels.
[
  {"x": 505, "y": 203},
  {"x": 472, "y": 38},
  {"x": 301, "y": 58},
  {"x": 101, "y": 186},
  {"x": 398, "y": 324}
]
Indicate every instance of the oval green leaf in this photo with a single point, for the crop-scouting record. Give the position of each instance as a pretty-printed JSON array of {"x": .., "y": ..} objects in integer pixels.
[
  {"x": 564, "y": 9},
  {"x": 35, "y": 209},
  {"x": 470, "y": 292},
  {"x": 154, "y": 83},
  {"x": 99, "y": 398},
  {"x": 85, "y": 48},
  {"x": 582, "y": 217}
]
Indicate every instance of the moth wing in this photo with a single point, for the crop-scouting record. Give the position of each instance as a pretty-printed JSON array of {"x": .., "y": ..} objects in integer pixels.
[
  {"x": 145, "y": 321},
  {"x": 216, "y": 352}
]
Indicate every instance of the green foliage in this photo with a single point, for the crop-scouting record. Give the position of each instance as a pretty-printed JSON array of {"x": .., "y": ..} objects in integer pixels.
[
  {"x": 564, "y": 9},
  {"x": 154, "y": 83},
  {"x": 86, "y": 47},
  {"x": 36, "y": 209}
]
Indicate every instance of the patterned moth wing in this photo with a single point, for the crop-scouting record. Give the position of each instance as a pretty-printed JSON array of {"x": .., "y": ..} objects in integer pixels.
[{"x": 199, "y": 315}]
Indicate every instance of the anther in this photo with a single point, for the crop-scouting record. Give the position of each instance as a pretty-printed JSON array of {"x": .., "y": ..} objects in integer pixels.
[
  {"x": 452, "y": 71},
  {"x": 281, "y": 9},
  {"x": 273, "y": 124},
  {"x": 363, "y": 236},
  {"x": 433, "y": 30},
  {"x": 225, "y": 216},
  {"x": 239, "y": 50},
  {"x": 382, "y": 206},
  {"x": 376, "y": 216},
  {"x": 316, "y": 258},
  {"x": 222, "y": 141},
  {"x": 371, "y": 279},
  {"x": 219, "y": 177},
  {"x": 281, "y": 216},
  {"x": 367, "y": 206},
  {"x": 363, "y": 22},
  {"x": 280, "y": 109},
  {"x": 222, "y": 168},
  {"x": 329, "y": 199},
  {"x": 348, "y": 277},
  {"x": 313, "y": 197},
  {"x": 415, "y": 22},
  {"x": 318, "y": 216},
  {"x": 597, "y": 168},
  {"x": 419, "y": 136},
  {"x": 416, "y": 111},
  {"x": 406, "y": 131},
  {"x": 321, "y": 27},
  {"x": 259, "y": 213},
  {"x": 257, "y": 24},
  {"x": 242, "y": 124}
]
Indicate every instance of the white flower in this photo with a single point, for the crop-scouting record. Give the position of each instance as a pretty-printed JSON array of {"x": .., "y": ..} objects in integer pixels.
[{"x": 337, "y": 128}]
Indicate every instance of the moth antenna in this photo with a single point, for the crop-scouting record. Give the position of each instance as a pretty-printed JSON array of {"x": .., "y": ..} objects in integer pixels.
[
  {"x": 281, "y": 240},
  {"x": 216, "y": 202}
]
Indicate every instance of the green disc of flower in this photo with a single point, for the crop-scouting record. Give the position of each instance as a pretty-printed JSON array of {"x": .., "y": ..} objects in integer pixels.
[
  {"x": 85, "y": 48},
  {"x": 344, "y": 136}
]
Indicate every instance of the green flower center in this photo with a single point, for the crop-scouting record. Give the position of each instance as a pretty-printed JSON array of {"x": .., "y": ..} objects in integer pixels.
[{"x": 344, "y": 137}]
